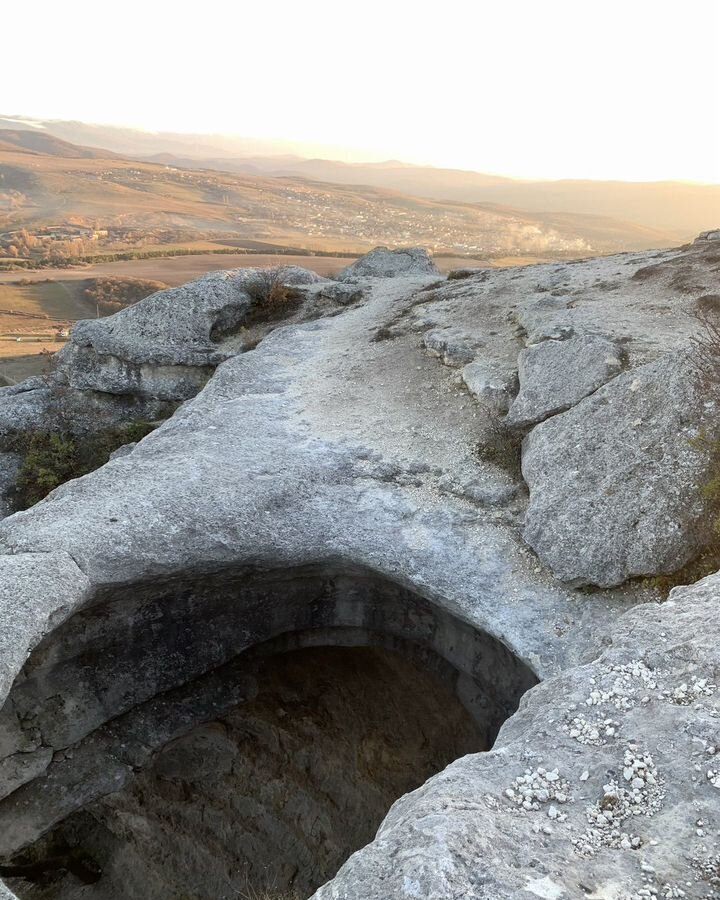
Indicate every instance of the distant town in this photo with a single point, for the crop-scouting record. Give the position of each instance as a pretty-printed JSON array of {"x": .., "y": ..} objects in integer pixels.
[{"x": 85, "y": 210}]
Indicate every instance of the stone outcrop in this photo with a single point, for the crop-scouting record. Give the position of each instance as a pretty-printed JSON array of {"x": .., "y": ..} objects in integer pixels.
[
  {"x": 353, "y": 482},
  {"x": 167, "y": 346},
  {"x": 555, "y": 375},
  {"x": 384, "y": 263},
  {"x": 616, "y": 483},
  {"x": 708, "y": 236}
]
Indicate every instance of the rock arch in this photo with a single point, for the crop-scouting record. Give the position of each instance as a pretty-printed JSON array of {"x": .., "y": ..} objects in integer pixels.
[{"x": 148, "y": 675}]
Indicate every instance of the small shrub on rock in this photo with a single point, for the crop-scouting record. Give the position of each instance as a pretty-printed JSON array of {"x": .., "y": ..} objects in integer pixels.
[{"x": 273, "y": 298}]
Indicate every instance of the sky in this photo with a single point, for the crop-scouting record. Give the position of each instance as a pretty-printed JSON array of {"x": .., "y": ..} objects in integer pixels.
[{"x": 531, "y": 88}]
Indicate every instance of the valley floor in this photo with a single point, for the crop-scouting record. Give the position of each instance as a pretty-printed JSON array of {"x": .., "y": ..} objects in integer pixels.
[{"x": 176, "y": 270}]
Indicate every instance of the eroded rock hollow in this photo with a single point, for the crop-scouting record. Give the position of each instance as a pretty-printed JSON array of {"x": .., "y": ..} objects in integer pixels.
[
  {"x": 235, "y": 732},
  {"x": 363, "y": 531}
]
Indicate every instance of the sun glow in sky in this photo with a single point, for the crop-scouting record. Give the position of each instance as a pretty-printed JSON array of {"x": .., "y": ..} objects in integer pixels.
[{"x": 626, "y": 89}]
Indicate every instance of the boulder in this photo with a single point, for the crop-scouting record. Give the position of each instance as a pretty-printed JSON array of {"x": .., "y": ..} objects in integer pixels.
[
  {"x": 452, "y": 349},
  {"x": 384, "y": 263},
  {"x": 555, "y": 375},
  {"x": 293, "y": 276},
  {"x": 167, "y": 346},
  {"x": 325, "y": 297},
  {"x": 708, "y": 236},
  {"x": 490, "y": 383},
  {"x": 616, "y": 483},
  {"x": 161, "y": 347},
  {"x": 342, "y": 294}
]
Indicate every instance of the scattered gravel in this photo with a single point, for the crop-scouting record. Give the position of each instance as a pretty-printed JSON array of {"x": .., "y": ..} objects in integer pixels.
[{"x": 638, "y": 792}]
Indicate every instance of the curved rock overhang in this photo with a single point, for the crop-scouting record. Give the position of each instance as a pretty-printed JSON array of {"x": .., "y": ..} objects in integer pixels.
[
  {"x": 354, "y": 486},
  {"x": 141, "y": 665},
  {"x": 603, "y": 784}
]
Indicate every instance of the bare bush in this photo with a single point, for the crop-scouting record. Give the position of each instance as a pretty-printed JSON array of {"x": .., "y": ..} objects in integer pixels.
[
  {"x": 273, "y": 297},
  {"x": 249, "y": 892},
  {"x": 254, "y": 894},
  {"x": 500, "y": 445},
  {"x": 112, "y": 292},
  {"x": 704, "y": 356}
]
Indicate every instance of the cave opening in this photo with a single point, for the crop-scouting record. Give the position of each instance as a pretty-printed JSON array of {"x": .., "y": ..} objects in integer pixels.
[{"x": 235, "y": 735}]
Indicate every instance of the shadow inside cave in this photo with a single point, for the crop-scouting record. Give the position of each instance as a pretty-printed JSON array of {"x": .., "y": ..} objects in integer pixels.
[{"x": 233, "y": 733}]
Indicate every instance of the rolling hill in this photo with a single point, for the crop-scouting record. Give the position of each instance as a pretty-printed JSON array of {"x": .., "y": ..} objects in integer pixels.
[
  {"x": 40, "y": 142},
  {"x": 47, "y": 182},
  {"x": 678, "y": 210},
  {"x": 681, "y": 210}
]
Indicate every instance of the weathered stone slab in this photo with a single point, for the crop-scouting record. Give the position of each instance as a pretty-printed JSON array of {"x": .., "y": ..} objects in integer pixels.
[
  {"x": 616, "y": 483},
  {"x": 555, "y": 375}
]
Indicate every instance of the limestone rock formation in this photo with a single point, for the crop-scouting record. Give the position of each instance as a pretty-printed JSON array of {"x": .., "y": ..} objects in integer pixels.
[
  {"x": 166, "y": 346},
  {"x": 139, "y": 364},
  {"x": 346, "y": 479},
  {"x": 616, "y": 482},
  {"x": 555, "y": 375},
  {"x": 604, "y": 784},
  {"x": 384, "y": 263}
]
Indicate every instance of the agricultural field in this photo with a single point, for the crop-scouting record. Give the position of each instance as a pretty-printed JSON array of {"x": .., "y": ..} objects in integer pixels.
[
  {"x": 35, "y": 310},
  {"x": 179, "y": 269},
  {"x": 36, "y": 316},
  {"x": 174, "y": 270},
  {"x": 35, "y": 320}
]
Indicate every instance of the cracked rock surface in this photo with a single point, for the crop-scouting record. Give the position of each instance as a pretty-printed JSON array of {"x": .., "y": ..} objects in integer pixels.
[
  {"x": 555, "y": 375},
  {"x": 353, "y": 476},
  {"x": 614, "y": 482}
]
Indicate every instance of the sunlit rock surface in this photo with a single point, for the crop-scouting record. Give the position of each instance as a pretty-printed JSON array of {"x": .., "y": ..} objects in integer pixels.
[{"x": 347, "y": 478}]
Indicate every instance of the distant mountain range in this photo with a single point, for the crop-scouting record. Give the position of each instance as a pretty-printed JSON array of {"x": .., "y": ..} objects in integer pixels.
[
  {"x": 602, "y": 216},
  {"x": 679, "y": 209},
  {"x": 45, "y": 144}
]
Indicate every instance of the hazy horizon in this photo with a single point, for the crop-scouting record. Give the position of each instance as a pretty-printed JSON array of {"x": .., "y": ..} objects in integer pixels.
[
  {"x": 280, "y": 149},
  {"x": 533, "y": 92}
]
